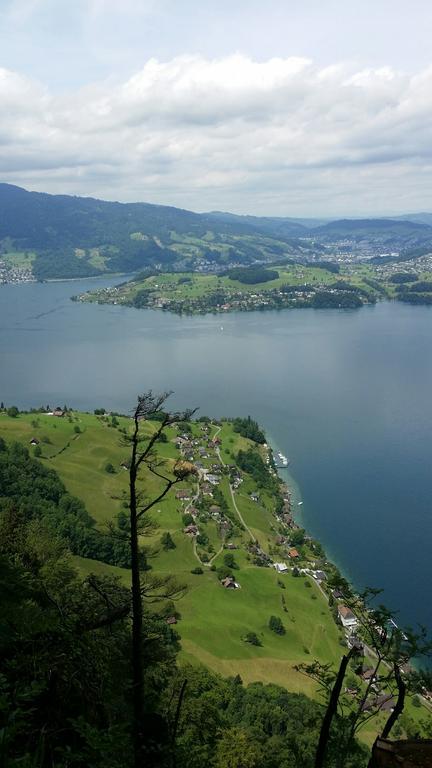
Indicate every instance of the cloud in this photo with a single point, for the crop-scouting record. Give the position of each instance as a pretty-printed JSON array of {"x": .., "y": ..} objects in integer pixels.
[{"x": 282, "y": 136}]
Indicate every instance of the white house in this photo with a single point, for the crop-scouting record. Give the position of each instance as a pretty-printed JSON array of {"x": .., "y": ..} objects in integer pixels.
[
  {"x": 347, "y": 617},
  {"x": 281, "y": 567}
]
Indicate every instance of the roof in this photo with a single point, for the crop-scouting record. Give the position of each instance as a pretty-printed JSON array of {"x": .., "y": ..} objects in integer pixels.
[
  {"x": 345, "y": 613},
  {"x": 293, "y": 553},
  {"x": 228, "y": 582}
]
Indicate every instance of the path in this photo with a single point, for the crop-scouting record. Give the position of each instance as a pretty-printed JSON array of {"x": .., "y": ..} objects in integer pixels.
[{"x": 239, "y": 514}]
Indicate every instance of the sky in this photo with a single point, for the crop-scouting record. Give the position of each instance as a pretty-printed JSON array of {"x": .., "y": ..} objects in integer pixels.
[{"x": 285, "y": 108}]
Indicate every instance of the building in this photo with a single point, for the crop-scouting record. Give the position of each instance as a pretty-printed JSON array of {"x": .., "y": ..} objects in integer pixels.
[
  {"x": 293, "y": 554},
  {"x": 183, "y": 495},
  {"x": 347, "y": 617},
  {"x": 230, "y": 583},
  {"x": 281, "y": 567}
]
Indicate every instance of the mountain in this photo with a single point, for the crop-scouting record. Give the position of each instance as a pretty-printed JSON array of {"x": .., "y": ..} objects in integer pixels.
[
  {"x": 382, "y": 229},
  {"x": 273, "y": 225},
  {"x": 62, "y": 236},
  {"x": 80, "y": 236}
]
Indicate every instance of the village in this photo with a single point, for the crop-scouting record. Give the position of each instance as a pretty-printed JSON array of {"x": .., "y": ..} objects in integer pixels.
[{"x": 291, "y": 552}]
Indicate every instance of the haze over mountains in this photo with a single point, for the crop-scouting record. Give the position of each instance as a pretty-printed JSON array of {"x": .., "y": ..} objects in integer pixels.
[{"x": 79, "y": 236}]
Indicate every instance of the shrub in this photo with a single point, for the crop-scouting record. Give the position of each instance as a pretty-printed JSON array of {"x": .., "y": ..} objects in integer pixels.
[
  {"x": 77, "y": 429},
  {"x": 252, "y": 638},
  {"x": 109, "y": 468},
  {"x": 12, "y": 411},
  {"x": 197, "y": 571},
  {"x": 275, "y": 624},
  {"x": 229, "y": 560}
]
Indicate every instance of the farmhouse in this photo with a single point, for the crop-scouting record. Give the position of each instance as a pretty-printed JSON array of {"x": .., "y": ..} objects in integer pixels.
[
  {"x": 191, "y": 530},
  {"x": 230, "y": 583},
  {"x": 183, "y": 495},
  {"x": 293, "y": 554},
  {"x": 281, "y": 567},
  {"x": 34, "y": 441}
]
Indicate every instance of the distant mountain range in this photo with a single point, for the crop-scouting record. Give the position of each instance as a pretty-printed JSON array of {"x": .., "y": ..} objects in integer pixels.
[{"x": 79, "y": 236}]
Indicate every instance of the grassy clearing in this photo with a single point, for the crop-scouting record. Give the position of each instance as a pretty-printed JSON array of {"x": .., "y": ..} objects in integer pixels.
[{"x": 21, "y": 259}]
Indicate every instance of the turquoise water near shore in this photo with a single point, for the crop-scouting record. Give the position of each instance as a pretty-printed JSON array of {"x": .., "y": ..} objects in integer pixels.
[{"x": 344, "y": 394}]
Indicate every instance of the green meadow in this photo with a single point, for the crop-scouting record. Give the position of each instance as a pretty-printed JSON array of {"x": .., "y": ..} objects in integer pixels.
[{"x": 213, "y": 621}]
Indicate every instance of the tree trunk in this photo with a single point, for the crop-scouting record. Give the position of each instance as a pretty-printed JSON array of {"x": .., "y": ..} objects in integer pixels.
[
  {"x": 331, "y": 711},
  {"x": 137, "y": 618},
  {"x": 399, "y": 704}
]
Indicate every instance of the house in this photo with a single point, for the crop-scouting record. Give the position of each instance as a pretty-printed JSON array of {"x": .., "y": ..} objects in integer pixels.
[
  {"x": 254, "y": 496},
  {"x": 355, "y": 642},
  {"x": 319, "y": 575},
  {"x": 386, "y": 702},
  {"x": 191, "y": 530},
  {"x": 183, "y": 495},
  {"x": 367, "y": 674},
  {"x": 213, "y": 479},
  {"x": 171, "y": 620},
  {"x": 231, "y": 545},
  {"x": 230, "y": 583},
  {"x": 347, "y": 617},
  {"x": 214, "y": 509},
  {"x": 216, "y": 441},
  {"x": 281, "y": 567},
  {"x": 337, "y": 594},
  {"x": 293, "y": 554},
  {"x": 58, "y": 412},
  {"x": 207, "y": 489},
  {"x": 34, "y": 441}
]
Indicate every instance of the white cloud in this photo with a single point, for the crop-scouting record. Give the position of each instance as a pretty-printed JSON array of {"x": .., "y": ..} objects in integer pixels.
[{"x": 282, "y": 136}]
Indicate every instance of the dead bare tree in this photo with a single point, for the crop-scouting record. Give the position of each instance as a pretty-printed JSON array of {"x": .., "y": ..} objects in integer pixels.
[{"x": 145, "y": 462}]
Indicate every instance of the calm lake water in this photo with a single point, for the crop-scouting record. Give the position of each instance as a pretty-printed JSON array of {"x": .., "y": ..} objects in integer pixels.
[{"x": 346, "y": 395}]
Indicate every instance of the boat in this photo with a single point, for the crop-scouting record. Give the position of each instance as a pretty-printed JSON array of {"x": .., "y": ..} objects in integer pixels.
[{"x": 299, "y": 503}]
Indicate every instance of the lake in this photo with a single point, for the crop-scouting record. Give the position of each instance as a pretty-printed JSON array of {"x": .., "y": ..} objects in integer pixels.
[{"x": 346, "y": 395}]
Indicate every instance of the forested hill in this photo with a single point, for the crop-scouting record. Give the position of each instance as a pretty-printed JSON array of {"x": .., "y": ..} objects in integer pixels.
[
  {"x": 78, "y": 237},
  {"x": 60, "y": 236}
]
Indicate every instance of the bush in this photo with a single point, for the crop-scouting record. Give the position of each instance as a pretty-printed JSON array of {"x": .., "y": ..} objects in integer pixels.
[
  {"x": 197, "y": 571},
  {"x": 37, "y": 451},
  {"x": 77, "y": 429},
  {"x": 109, "y": 468},
  {"x": 12, "y": 411},
  {"x": 229, "y": 560},
  {"x": 252, "y": 638},
  {"x": 275, "y": 624}
]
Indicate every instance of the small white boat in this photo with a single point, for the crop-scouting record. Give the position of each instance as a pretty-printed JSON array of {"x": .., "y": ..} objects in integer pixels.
[{"x": 299, "y": 503}]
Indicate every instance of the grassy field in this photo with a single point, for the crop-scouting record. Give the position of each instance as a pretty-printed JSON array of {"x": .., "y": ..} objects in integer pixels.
[
  {"x": 213, "y": 621},
  {"x": 21, "y": 259}
]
